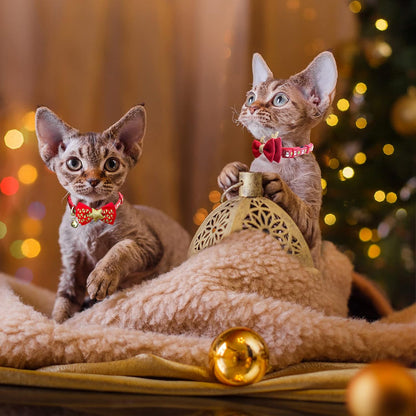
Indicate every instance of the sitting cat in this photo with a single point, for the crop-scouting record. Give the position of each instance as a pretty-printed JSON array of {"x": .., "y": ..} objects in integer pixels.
[
  {"x": 291, "y": 107},
  {"x": 111, "y": 244}
]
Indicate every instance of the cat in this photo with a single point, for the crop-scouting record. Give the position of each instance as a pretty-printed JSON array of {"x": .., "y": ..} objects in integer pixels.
[
  {"x": 291, "y": 107},
  {"x": 99, "y": 257}
]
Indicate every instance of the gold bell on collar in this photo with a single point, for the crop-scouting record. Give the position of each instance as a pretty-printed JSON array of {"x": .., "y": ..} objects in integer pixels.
[{"x": 251, "y": 210}]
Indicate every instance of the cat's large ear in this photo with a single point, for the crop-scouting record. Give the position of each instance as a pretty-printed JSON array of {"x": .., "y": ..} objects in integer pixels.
[
  {"x": 50, "y": 131},
  {"x": 317, "y": 82},
  {"x": 261, "y": 72},
  {"x": 129, "y": 131}
]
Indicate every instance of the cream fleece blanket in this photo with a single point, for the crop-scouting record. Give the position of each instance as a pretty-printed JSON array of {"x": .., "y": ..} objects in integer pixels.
[{"x": 246, "y": 280}]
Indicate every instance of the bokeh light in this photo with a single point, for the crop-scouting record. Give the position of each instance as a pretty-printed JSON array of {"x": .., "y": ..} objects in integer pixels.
[
  {"x": 330, "y": 219},
  {"x": 360, "y": 158},
  {"x": 27, "y": 174},
  {"x": 24, "y": 274},
  {"x": 3, "y": 230},
  {"x": 374, "y": 251},
  {"x": 31, "y": 227},
  {"x": 365, "y": 234},
  {"x": 391, "y": 197},
  {"x": 29, "y": 121},
  {"x": 9, "y": 185},
  {"x": 36, "y": 210},
  {"x": 388, "y": 149},
  {"x": 214, "y": 197},
  {"x": 379, "y": 196},
  {"x": 361, "y": 122},
  {"x": 348, "y": 172},
  {"x": 14, "y": 139},
  {"x": 30, "y": 248},
  {"x": 360, "y": 88},
  {"x": 200, "y": 216},
  {"x": 381, "y": 24},
  {"x": 343, "y": 104},
  {"x": 333, "y": 163},
  {"x": 324, "y": 183},
  {"x": 332, "y": 120},
  {"x": 16, "y": 249},
  {"x": 355, "y": 6}
]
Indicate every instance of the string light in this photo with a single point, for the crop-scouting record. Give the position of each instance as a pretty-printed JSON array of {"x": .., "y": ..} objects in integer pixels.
[
  {"x": 360, "y": 88},
  {"x": 381, "y": 24},
  {"x": 332, "y": 120},
  {"x": 391, "y": 197},
  {"x": 355, "y": 6},
  {"x": 348, "y": 172},
  {"x": 323, "y": 183},
  {"x": 379, "y": 196},
  {"x": 360, "y": 158},
  {"x": 14, "y": 139},
  {"x": 388, "y": 149},
  {"x": 374, "y": 251},
  {"x": 361, "y": 122},
  {"x": 27, "y": 174},
  {"x": 343, "y": 104},
  {"x": 333, "y": 163},
  {"x": 365, "y": 234},
  {"x": 200, "y": 216},
  {"x": 214, "y": 197},
  {"x": 330, "y": 219},
  {"x": 9, "y": 185}
]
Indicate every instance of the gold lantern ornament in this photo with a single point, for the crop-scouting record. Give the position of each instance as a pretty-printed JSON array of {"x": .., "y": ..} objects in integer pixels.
[
  {"x": 251, "y": 210},
  {"x": 239, "y": 356}
]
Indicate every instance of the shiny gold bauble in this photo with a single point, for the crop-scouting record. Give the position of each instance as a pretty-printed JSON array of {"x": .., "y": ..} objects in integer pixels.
[
  {"x": 250, "y": 210},
  {"x": 382, "y": 389},
  {"x": 239, "y": 356},
  {"x": 403, "y": 114}
]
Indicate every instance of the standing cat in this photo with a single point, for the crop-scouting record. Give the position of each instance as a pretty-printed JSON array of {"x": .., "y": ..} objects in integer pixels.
[
  {"x": 291, "y": 107},
  {"x": 114, "y": 245}
]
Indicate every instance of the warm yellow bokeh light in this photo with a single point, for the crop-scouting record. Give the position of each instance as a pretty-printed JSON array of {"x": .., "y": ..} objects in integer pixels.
[
  {"x": 31, "y": 227},
  {"x": 332, "y": 120},
  {"x": 374, "y": 251},
  {"x": 360, "y": 158},
  {"x": 3, "y": 230},
  {"x": 323, "y": 183},
  {"x": 348, "y": 172},
  {"x": 381, "y": 24},
  {"x": 330, "y": 219},
  {"x": 391, "y": 197},
  {"x": 343, "y": 104},
  {"x": 14, "y": 139},
  {"x": 30, "y": 248},
  {"x": 333, "y": 163},
  {"x": 365, "y": 234},
  {"x": 29, "y": 121},
  {"x": 355, "y": 6},
  {"x": 360, "y": 88},
  {"x": 361, "y": 122},
  {"x": 379, "y": 196},
  {"x": 388, "y": 149},
  {"x": 27, "y": 174},
  {"x": 214, "y": 196},
  {"x": 200, "y": 216}
]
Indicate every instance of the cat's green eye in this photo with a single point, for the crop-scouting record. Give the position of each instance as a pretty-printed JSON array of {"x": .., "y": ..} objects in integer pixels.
[
  {"x": 280, "y": 99},
  {"x": 111, "y": 164},
  {"x": 250, "y": 99},
  {"x": 74, "y": 164}
]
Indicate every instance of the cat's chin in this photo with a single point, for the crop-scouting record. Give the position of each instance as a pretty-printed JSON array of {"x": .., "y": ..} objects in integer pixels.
[{"x": 259, "y": 131}]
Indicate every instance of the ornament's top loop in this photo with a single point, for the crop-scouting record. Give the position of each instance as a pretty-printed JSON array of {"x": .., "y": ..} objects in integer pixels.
[{"x": 231, "y": 188}]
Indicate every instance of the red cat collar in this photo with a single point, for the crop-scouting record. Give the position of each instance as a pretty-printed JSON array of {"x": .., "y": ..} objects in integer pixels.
[
  {"x": 274, "y": 151},
  {"x": 84, "y": 214}
]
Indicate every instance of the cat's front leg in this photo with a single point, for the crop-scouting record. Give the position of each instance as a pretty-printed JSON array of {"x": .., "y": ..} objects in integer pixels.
[
  {"x": 229, "y": 177},
  {"x": 304, "y": 214},
  {"x": 124, "y": 258}
]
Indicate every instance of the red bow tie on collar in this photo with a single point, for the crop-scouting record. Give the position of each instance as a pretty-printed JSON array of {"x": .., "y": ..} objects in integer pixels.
[
  {"x": 274, "y": 151},
  {"x": 85, "y": 214}
]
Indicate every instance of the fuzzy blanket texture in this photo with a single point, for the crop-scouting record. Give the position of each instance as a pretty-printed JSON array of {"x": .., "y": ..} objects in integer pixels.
[{"x": 246, "y": 280}]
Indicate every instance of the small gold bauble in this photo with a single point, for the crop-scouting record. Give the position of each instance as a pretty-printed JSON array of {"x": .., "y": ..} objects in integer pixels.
[
  {"x": 250, "y": 210},
  {"x": 403, "y": 115},
  {"x": 239, "y": 356},
  {"x": 382, "y": 389}
]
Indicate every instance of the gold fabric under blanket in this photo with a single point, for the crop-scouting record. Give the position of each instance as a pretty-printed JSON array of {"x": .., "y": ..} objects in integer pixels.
[{"x": 149, "y": 374}]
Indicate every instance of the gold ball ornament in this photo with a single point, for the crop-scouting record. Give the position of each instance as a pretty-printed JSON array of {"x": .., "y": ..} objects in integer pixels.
[
  {"x": 251, "y": 210},
  {"x": 382, "y": 389},
  {"x": 239, "y": 356},
  {"x": 403, "y": 114}
]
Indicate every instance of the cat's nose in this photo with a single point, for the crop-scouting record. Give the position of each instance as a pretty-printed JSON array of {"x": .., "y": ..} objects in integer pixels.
[
  {"x": 253, "y": 108},
  {"x": 93, "y": 182}
]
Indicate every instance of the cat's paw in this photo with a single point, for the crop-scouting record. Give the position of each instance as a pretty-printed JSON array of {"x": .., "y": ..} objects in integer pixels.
[
  {"x": 101, "y": 284},
  {"x": 62, "y": 309},
  {"x": 229, "y": 176},
  {"x": 274, "y": 188}
]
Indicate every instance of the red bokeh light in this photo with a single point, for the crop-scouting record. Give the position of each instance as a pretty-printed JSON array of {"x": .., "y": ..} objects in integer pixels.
[{"x": 9, "y": 185}]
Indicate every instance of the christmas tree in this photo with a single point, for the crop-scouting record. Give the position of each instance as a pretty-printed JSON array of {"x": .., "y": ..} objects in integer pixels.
[{"x": 368, "y": 158}]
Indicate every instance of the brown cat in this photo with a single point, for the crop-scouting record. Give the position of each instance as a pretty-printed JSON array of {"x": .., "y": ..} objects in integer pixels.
[
  {"x": 291, "y": 107},
  {"x": 114, "y": 245}
]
